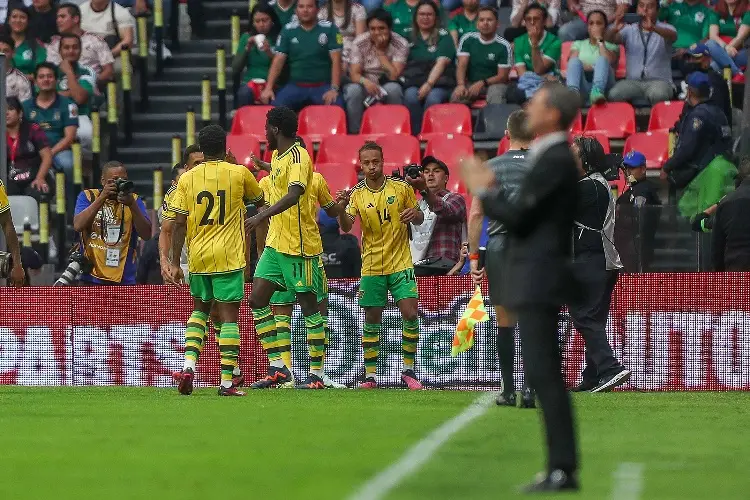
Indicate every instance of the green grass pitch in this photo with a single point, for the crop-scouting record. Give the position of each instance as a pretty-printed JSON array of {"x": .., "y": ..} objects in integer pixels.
[{"x": 112, "y": 442}]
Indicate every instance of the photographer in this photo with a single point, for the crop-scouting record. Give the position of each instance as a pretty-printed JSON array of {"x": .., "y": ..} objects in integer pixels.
[
  {"x": 595, "y": 266},
  {"x": 110, "y": 221},
  {"x": 433, "y": 244}
]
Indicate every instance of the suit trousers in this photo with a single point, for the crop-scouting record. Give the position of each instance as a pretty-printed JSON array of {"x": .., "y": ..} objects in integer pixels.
[
  {"x": 543, "y": 367},
  {"x": 590, "y": 311}
]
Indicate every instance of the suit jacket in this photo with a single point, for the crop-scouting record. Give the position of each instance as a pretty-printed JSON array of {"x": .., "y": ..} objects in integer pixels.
[{"x": 539, "y": 220}]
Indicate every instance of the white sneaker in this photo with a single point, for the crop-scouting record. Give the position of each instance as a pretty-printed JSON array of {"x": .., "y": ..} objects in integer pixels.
[
  {"x": 330, "y": 383},
  {"x": 166, "y": 53}
]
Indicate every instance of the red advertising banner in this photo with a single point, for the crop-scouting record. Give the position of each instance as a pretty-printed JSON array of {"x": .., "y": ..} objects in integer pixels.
[{"x": 674, "y": 331}]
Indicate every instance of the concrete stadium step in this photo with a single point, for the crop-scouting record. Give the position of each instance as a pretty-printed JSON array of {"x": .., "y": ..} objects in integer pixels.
[
  {"x": 223, "y": 27},
  {"x": 173, "y": 122},
  {"x": 155, "y": 140},
  {"x": 160, "y": 88},
  {"x": 223, "y": 10},
  {"x": 207, "y": 44},
  {"x": 176, "y": 103},
  {"x": 191, "y": 73},
  {"x": 203, "y": 58}
]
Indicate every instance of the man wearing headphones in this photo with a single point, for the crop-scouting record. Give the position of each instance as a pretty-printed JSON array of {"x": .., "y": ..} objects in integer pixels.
[{"x": 596, "y": 265}]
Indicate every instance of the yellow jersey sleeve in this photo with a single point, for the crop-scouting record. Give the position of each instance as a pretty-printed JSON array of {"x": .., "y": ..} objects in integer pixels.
[
  {"x": 178, "y": 202},
  {"x": 300, "y": 167},
  {"x": 166, "y": 212},
  {"x": 352, "y": 209},
  {"x": 4, "y": 203},
  {"x": 253, "y": 193},
  {"x": 322, "y": 191}
]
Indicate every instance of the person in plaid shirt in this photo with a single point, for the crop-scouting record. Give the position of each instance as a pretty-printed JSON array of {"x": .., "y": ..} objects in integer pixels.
[{"x": 436, "y": 243}]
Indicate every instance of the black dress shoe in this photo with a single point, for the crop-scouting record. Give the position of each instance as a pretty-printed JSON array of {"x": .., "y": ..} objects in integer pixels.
[
  {"x": 556, "y": 480},
  {"x": 608, "y": 382}
]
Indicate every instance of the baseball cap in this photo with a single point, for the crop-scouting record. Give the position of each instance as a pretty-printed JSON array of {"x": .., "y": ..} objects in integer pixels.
[
  {"x": 698, "y": 80},
  {"x": 698, "y": 50},
  {"x": 431, "y": 159},
  {"x": 634, "y": 159}
]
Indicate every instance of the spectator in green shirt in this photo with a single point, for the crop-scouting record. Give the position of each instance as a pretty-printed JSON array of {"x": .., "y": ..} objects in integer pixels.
[
  {"x": 691, "y": 19},
  {"x": 313, "y": 49},
  {"x": 730, "y": 21},
  {"x": 426, "y": 80},
  {"x": 484, "y": 60},
  {"x": 28, "y": 52},
  {"x": 537, "y": 54},
  {"x": 402, "y": 12},
  {"x": 465, "y": 21},
  {"x": 57, "y": 115},
  {"x": 592, "y": 61},
  {"x": 77, "y": 82},
  {"x": 255, "y": 56}
]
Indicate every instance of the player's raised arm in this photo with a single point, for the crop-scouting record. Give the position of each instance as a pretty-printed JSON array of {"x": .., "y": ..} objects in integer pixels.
[
  {"x": 178, "y": 207},
  {"x": 411, "y": 214},
  {"x": 348, "y": 208},
  {"x": 325, "y": 200}
]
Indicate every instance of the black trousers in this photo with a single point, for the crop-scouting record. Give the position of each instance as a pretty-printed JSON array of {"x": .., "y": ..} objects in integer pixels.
[
  {"x": 591, "y": 310},
  {"x": 543, "y": 367}
]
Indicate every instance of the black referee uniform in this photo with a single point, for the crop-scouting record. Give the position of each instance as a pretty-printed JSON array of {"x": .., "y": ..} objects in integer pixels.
[{"x": 510, "y": 169}]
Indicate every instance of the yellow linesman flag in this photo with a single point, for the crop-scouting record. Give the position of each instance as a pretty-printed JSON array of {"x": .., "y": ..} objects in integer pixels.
[{"x": 463, "y": 339}]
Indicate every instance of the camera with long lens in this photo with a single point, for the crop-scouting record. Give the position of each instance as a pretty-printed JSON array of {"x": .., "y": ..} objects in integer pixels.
[
  {"x": 413, "y": 170},
  {"x": 124, "y": 186},
  {"x": 77, "y": 263},
  {"x": 6, "y": 264}
]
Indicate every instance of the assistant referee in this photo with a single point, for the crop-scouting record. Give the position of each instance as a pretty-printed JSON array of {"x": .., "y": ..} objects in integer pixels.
[{"x": 510, "y": 169}]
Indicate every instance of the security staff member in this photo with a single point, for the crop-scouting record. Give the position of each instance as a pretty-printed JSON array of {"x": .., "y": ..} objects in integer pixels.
[
  {"x": 637, "y": 216},
  {"x": 509, "y": 169},
  {"x": 538, "y": 280},
  {"x": 719, "y": 88},
  {"x": 703, "y": 134},
  {"x": 596, "y": 265}
]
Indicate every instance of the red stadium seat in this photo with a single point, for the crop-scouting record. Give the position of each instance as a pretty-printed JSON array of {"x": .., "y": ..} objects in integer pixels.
[
  {"x": 385, "y": 119},
  {"x": 450, "y": 150},
  {"x": 603, "y": 139},
  {"x": 241, "y": 146},
  {"x": 446, "y": 119},
  {"x": 621, "y": 67},
  {"x": 337, "y": 176},
  {"x": 614, "y": 119},
  {"x": 664, "y": 115},
  {"x": 341, "y": 150},
  {"x": 503, "y": 146},
  {"x": 251, "y": 120},
  {"x": 399, "y": 150},
  {"x": 318, "y": 122},
  {"x": 577, "y": 126},
  {"x": 564, "y": 56},
  {"x": 654, "y": 146}
]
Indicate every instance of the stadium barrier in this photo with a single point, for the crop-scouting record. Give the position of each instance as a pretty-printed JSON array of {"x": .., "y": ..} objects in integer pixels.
[{"x": 675, "y": 331}]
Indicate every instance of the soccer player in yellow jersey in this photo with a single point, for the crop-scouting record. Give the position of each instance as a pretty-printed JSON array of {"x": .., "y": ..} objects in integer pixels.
[
  {"x": 293, "y": 247},
  {"x": 209, "y": 204},
  {"x": 385, "y": 206},
  {"x": 17, "y": 275}
]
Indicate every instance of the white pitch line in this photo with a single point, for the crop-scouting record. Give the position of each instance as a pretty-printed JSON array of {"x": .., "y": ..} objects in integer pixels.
[
  {"x": 381, "y": 484},
  {"x": 628, "y": 481}
]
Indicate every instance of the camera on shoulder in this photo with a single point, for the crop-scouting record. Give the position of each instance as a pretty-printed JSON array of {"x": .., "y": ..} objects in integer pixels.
[{"x": 412, "y": 170}]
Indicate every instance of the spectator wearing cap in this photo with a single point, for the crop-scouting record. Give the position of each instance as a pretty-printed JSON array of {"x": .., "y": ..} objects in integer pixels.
[
  {"x": 341, "y": 255},
  {"x": 691, "y": 19},
  {"x": 648, "y": 55},
  {"x": 701, "y": 55},
  {"x": 638, "y": 215},
  {"x": 434, "y": 244},
  {"x": 730, "y": 245},
  {"x": 699, "y": 163},
  {"x": 731, "y": 20}
]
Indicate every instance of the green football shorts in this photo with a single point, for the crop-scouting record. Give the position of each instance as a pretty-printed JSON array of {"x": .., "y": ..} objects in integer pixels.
[
  {"x": 291, "y": 273},
  {"x": 373, "y": 290},
  {"x": 221, "y": 287},
  {"x": 286, "y": 297}
]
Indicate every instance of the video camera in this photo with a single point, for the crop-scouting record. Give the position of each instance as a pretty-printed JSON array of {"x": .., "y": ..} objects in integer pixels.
[
  {"x": 6, "y": 264},
  {"x": 124, "y": 186},
  {"x": 412, "y": 170}
]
